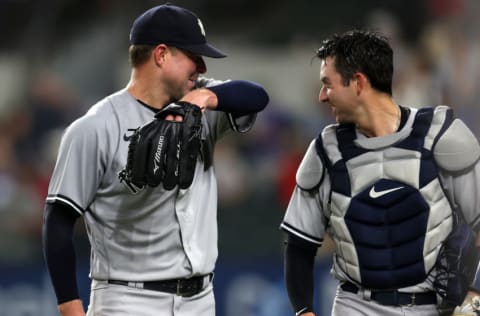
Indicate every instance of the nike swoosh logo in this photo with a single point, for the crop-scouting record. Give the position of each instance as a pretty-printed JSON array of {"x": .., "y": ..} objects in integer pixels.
[
  {"x": 376, "y": 194},
  {"x": 301, "y": 311}
]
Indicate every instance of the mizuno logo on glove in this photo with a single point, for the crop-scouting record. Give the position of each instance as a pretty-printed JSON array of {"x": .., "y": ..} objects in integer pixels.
[{"x": 158, "y": 154}]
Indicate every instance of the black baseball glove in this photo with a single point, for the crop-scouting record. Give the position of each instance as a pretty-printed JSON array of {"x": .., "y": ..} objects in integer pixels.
[{"x": 164, "y": 151}]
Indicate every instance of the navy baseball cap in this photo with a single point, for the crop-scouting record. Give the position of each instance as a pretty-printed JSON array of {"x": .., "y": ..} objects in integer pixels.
[{"x": 174, "y": 26}]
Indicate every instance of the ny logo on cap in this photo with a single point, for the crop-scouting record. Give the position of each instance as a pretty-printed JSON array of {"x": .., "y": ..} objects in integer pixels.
[{"x": 201, "y": 26}]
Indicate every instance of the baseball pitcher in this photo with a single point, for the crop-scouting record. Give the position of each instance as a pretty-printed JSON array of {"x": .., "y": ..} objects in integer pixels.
[{"x": 138, "y": 168}]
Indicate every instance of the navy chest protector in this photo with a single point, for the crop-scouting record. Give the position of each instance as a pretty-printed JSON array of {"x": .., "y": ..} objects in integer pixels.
[{"x": 385, "y": 229}]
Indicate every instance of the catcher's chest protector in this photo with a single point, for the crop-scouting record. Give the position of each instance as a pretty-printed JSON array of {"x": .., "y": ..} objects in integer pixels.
[{"x": 388, "y": 213}]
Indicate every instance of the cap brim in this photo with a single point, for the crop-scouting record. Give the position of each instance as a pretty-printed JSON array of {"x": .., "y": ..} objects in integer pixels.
[{"x": 206, "y": 50}]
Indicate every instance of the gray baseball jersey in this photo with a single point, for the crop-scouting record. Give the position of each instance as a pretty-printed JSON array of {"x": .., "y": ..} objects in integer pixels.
[{"x": 151, "y": 235}]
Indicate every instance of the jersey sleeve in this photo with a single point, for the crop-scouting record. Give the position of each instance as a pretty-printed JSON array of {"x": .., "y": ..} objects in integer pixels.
[
  {"x": 79, "y": 166},
  {"x": 304, "y": 216},
  {"x": 240, "y": 123},
  {"x": 456, "y": 153},
  {"x": 463, "y": 189}
]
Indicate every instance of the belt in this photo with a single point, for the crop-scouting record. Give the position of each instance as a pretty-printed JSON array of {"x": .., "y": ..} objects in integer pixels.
[
  {"x": 395, "y": 298},
  {"x": 181, "y": 287}
]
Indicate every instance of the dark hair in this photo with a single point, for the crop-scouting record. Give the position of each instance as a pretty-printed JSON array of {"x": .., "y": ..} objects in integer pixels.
[
  {"x": 361, "y": 51},
  {"x": 139, "y": 54}
]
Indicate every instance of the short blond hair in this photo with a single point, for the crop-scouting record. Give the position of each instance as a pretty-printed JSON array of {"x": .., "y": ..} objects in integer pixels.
[{"x": 139, "y": 54}]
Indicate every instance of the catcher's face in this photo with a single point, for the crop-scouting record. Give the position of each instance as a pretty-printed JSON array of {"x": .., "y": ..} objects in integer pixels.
[
  {"x": 183, "y": 71},
  {"x": 341, "y": 99}
]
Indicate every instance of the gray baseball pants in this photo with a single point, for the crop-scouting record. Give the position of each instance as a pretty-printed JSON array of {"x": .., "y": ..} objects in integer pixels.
[
  {"x": 347, "y": 303},
  {"x": 119, "y": 300}
]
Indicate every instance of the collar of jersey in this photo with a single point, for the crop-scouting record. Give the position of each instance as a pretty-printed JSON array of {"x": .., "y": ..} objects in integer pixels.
[
  {"x": 373, "y": 143},
  {"x": 151, "y": 108}
]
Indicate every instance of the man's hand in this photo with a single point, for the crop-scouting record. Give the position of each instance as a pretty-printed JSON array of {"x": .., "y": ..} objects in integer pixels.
[
  {"x": 203, "y": 98},
  {"x": 71, "y": 308},
  {"x": 470, "y": 306}
]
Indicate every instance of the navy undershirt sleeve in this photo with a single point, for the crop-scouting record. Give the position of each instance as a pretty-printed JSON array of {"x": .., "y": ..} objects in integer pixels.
[
  {"x": 240, "y": 97},
  {"x": 58, "y": 249},
  {"x": 299, "y": 263}
]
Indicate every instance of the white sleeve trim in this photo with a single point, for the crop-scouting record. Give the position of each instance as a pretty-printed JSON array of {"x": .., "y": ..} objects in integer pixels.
[
  {"x": 297, "y": 233},
  {"x": 65, "y": 201}
]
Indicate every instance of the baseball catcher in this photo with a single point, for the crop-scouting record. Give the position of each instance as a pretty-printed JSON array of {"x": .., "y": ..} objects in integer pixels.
[
  {"x": 395, "y": 188},
  {"x": 164, "y": 151}
]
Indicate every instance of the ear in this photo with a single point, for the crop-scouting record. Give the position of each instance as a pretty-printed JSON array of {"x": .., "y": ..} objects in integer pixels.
[
  {"x": 361, "y": 82},
  {"x": 159, "y": 53}
]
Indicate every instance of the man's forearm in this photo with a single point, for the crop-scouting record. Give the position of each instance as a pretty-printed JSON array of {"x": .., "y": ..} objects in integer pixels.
[
  {"x": 59, "y": 250},
  {"x": 299, "y": 262}
]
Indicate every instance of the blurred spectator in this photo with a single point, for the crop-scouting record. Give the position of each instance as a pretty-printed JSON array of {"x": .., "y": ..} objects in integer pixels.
[
  {"x": 50, "y": 106},
  {"x": 459, "y": 72},
  {"x": 19, "y": 202},
  {"x": 445, "y": 8},
  {"x": 232, "y": 172},
  {"x": 29, "y": 136},
  {"x": 294, "y": 142}
]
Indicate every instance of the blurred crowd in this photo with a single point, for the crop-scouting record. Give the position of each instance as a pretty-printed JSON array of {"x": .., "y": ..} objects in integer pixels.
[{"x": 256, "y": 172}]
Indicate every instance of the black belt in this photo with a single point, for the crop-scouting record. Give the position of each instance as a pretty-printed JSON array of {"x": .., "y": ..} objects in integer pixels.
[
  {"x": 181, "y": 287},
  {"x": 395, "y": 298}
]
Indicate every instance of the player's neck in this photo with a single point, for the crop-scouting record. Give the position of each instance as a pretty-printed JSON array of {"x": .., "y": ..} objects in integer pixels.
[
  {"x": 379, "y": 118},
  {"x": 142, "y": 88}
]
